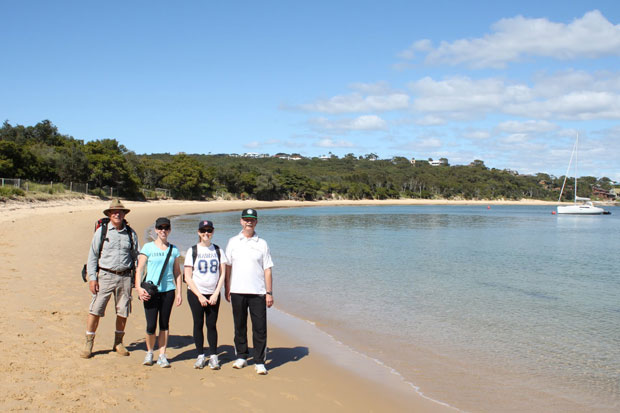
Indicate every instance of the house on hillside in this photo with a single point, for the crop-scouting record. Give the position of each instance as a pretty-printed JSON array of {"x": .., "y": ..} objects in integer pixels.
[
  {"x": 293, "y": 157},
  {"x": 600, "y": 192},
  {"x": 439, "y": 162},
  {"x": 255, "y": 155}
]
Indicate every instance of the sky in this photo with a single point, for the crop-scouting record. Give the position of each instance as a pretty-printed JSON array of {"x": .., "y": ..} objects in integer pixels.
[{"x": 509, "y": 83}]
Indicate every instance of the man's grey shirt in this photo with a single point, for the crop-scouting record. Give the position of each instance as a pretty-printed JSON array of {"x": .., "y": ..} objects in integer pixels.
[{"x": 116, "y": 254}]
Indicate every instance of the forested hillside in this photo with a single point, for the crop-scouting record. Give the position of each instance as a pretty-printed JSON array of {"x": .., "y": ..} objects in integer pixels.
[{"x": 41, "y": 153}]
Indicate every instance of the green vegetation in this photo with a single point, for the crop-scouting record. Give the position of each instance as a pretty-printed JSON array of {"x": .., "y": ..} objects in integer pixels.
[
  {"x": 40, "y": 153},
  {"x": 10, "y": 192}
]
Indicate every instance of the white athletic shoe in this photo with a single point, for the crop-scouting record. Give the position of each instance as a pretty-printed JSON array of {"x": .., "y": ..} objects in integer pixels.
[
  {"x": 214, "y": 362},
  {"x": 260, "y": 369},
  {"x": 239, "y": 364},
  {"x": 162, "y": 361},
  {"x": 148, "y": 359},
  {"x": 200, "y": 362}
]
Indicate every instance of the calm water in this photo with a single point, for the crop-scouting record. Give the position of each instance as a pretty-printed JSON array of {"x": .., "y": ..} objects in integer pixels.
[{"x": 502, "y": 309}]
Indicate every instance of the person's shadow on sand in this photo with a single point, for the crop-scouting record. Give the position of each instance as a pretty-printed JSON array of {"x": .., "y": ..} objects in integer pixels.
[
  {"x": 276, "y": 356},
  {"x": 173, "y": 342}
]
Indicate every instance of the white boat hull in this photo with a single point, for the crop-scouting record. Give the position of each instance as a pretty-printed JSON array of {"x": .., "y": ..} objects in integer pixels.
[{"x": 580, "y": 210}]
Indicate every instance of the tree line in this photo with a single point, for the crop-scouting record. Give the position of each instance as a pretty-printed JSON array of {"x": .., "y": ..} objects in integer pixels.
[{"x": 41, "y": 153}]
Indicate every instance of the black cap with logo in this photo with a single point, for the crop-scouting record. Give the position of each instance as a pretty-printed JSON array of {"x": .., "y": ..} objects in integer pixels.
[{"x": 249, "y": 213}]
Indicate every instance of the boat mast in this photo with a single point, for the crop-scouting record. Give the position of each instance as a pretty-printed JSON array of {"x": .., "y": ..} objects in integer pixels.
[
  {"x": 572, "y": 154},
  {"x": 576, "y": 144}
]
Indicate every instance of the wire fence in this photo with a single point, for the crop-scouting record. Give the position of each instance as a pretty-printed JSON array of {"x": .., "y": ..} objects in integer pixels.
[{"x": 78, "y": 187}]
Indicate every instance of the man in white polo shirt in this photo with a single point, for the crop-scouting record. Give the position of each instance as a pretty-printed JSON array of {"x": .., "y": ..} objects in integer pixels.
[{"x": 248, "y": 287}]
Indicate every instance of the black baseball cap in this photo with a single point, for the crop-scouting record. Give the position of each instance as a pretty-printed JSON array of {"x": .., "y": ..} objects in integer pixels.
[
  {"x": 162, "y": 221},
  {"x": 249, "y": 213},
  {"x": 205, "y": 224}
]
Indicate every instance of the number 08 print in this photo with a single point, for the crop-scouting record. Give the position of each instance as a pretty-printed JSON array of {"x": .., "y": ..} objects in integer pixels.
[{"x": 205, "y": 266}]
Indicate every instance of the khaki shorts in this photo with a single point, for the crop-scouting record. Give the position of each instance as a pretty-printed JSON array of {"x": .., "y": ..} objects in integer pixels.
[{"x": 116, "y": 285}]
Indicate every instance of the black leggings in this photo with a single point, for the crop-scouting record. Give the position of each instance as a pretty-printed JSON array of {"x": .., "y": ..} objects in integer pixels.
[
  {"x": 160, "y": 303},
  {"x": 206, "y": 315}
]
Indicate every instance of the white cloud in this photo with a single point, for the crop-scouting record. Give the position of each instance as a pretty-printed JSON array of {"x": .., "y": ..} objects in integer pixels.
[
  {"x": 361, "y": 123},
  {"x": 431, "y": 120},
  {"x": 368, "y": 122},
  {"x": 423, "y": 45},
  {"x": 530, "y": 126},
  {"x": 462, "y": 95},
  {"x": 377, "y": 88},
  {"x": 356, "y": 102},
  {"x": 580, "y": 105},
  {"x": 252, "y": 145},
  {"x": 477, "y": 134},
  {"x": 294, "y": 144},
  {"x": 330, "y": 143},
  {"x": 514, "y": 39},
  {"x": 557, "y": 84},
  {"x": 462, "y": 98},
  {"x": 429, "y": 143},
  {"x": 422, "y": 147},
  {"x": 515, "y": 138}
]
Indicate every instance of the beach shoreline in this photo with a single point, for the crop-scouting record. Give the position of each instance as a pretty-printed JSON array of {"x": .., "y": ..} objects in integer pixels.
[
  {"x": 13, "y": 209},
  {"x": 46, "y": 305}
]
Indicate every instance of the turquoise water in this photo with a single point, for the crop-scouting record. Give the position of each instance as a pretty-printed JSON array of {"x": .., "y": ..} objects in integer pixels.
[{"x": 502, "y": 309}]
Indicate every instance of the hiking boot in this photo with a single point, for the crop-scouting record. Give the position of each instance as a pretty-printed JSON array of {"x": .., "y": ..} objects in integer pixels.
[
  {"x": 118, "y": 344},
  {"x": 148, "y": 359},
  {"x": 88, "y": 347},
  {"x": 260, "y": 369},
  {"x": 162, "y": 361},
  {"x": 200, "y": 362},
  {"x": 214, "y": 362},
  {"x": 239, "y": 364}
]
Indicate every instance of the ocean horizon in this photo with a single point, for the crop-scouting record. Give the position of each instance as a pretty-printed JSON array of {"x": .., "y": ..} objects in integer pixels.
[{"x": 508, "y": 308}]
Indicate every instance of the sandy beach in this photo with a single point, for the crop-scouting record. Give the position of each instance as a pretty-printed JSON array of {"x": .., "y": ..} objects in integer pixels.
[{"x": 44, "y": 307}]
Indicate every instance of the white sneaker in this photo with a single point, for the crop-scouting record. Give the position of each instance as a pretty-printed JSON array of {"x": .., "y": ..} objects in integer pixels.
[
  {"x": 214, "y": 362},
  {"x": 260, "y": 369},
  {"x": 148, "y": 359},
  {"x": 200, "y": 362},
  {"x": 239, "y": 364},
  {"x": 162, "y": 361}
]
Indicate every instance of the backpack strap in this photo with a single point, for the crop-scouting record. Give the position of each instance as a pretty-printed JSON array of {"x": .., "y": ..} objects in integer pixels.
[
  {"x": 194, "y": 254},
  {"x": 104, "y": 231},
  {"x": 129, "y": 234},
  {"x": 219, "y": 254}
]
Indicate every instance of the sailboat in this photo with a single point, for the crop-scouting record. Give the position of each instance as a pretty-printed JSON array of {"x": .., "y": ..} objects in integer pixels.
[{"x": 581, "y": 205}]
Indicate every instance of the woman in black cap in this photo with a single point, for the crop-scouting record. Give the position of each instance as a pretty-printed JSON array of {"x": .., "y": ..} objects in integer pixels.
[
  {"x": 163, "y": 276},
  {"x": 204, "y": 273}
]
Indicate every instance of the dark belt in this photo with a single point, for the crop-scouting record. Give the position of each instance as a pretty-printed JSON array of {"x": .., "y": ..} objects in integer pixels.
[{"x": 116, "y": 272}]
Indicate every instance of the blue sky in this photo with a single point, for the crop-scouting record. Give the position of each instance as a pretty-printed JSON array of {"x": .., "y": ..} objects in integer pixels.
[{"x": 510, "y": 84}]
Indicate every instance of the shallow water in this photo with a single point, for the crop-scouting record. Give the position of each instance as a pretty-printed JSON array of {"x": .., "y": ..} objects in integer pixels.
[{"x": 502, "y": 309}]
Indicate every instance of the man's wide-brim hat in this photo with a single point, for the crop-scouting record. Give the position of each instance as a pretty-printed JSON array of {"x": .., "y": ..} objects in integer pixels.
[{"x": 115, "y": 205}]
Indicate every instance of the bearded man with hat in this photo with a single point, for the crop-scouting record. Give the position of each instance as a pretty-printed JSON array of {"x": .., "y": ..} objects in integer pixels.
[{"x": 110, "y": 269}]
